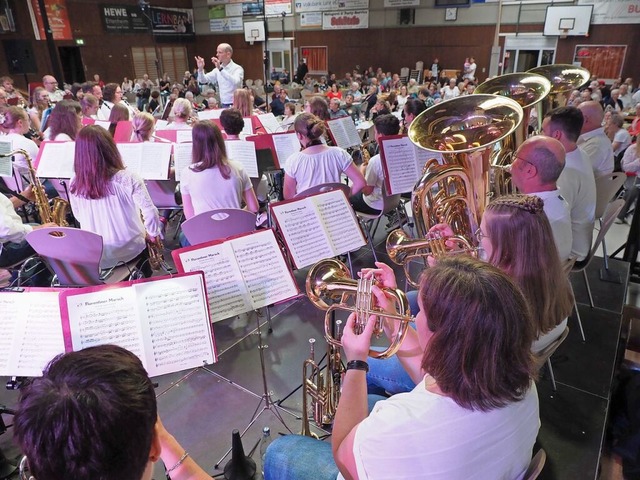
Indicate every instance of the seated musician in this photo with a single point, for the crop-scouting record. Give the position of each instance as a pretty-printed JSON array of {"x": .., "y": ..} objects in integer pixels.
[
  {"x": 93, "y": 414},
  {"x": 317, "y": 163},
  {"x": 107, "y": 199},
  {"x": 369, "y": 199},
  {"x": 64, "y": 122},
  {"x": 515, "y": 236},
  {"x": 469, "y": 416}
]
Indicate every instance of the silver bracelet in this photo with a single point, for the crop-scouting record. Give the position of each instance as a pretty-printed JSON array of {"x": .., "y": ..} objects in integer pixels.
[{"x": 182, "y": 459}]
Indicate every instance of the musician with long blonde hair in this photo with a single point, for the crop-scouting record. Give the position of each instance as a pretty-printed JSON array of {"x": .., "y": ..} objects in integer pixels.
[{"x": 474, "y": 410}]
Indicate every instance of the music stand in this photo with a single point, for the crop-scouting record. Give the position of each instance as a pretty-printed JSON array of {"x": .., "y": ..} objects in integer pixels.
[
  {"x": 7, "y": 469},
  {"x": 631, "y": 248}
]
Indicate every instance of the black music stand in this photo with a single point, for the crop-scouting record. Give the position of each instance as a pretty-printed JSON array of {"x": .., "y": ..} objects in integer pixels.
[
  {"x": 631, "y": 248},
  {"x": 7, "y": 469}
]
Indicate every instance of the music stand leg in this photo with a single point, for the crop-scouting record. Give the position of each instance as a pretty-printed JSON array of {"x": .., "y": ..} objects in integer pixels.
[
  {"x": 607, "y": 275},
  {"x": 266, "y": 401}
]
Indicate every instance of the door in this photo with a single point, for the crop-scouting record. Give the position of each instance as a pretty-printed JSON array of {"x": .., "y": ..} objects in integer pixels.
[
  {"x": 279, "y": 56},
  {"x": 72, "y": 66}
]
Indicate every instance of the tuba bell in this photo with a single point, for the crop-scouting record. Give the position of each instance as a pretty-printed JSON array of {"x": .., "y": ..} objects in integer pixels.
[
  {"x": 330, "y": 287},
  {"x": 528, "y": 89}
]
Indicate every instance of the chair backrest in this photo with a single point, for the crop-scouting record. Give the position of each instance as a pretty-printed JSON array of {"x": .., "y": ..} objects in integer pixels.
[
  {"x": 248, "y": 82},
  {"x": 71, "y": 253},
  {"x": 325, "y": 187},
  {"x": 541, "y": 357},
  {"x": 218, "y": 224},
  {"x": 609, "y": 215},
  {"x": 390, "y": 202},
  {"x": 536, "y": 465},
  {"x": 606, "y": 187},
  {"x": 162, "y": 193}
]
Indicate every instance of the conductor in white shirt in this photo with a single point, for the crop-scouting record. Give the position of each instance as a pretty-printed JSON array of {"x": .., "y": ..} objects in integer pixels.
[{"x": 226, "y": 73}]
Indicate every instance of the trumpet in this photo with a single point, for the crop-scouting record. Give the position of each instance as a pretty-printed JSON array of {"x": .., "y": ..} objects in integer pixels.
[
  {"x": 329, "y": 286},
  {"x": 324, "y": 389},
  {"x": 402, "y": 249}
]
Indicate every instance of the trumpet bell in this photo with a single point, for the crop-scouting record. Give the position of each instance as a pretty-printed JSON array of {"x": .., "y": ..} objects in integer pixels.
[
  {"x": 563, "y": 78},
  {"x": 465, "y": 124},
  {"x": 525, "y": 88},
  {"x": 326, "y": 282}
]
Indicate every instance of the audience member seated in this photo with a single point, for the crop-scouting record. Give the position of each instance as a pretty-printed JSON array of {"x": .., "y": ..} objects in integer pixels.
[
  {"x": 450, "y": 91},
  {"x": 107, "y": 199},
  {"x": 319, "y": 107},
  {"x": 93, "y": 415},
  {"x": 631, "y": 166},
  {"x": 317, "y": 163},
  {"x": 334, "y": 109},
  {"x": 278, "y": 104},
  {"x": 470, "y": 360},
  {"x": 593, "y": 141}
]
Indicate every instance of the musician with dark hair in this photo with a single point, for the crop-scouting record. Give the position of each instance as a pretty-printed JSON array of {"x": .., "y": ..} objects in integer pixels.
[
  {"x": 232, "y": 122},
  {"x": 317, "y": 163},
  {"x": 370, "y": 200},
  {"x": 474, "y": 410},
  {"x": 412, "y": 108},
  {"x": 93, "y": 414}
]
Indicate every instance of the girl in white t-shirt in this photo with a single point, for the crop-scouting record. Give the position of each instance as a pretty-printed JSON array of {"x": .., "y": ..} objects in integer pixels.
[{"x": 16, "y": 122}]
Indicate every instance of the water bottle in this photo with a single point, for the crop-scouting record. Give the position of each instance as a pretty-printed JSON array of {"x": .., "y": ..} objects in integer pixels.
[{"x": 264, "y": 443}]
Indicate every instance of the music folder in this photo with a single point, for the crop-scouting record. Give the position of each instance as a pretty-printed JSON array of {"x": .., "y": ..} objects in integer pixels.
[
  {"x": 318, "y": 226},
  {"x": 282, "y": 145},
  {"x": 163, "y": 320},
  {"x": 243, "y": 273},
  {"x": 343, "y": 132},
  {"x": 55, "y": 159},
  {"x": 150, "y": 160}
]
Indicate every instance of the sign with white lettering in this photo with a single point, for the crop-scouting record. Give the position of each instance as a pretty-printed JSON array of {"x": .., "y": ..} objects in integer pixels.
[
  {"x": 324, "y": 5},
  {"x": 345, "y": 20},
  {"x": 123, "y": 19},
  {"x": 229, "y": 24},
  {"x": 176, "y": 22}
]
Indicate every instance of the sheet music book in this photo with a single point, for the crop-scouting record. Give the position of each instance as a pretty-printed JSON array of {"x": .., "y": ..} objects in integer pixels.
[
  {"x": 248, "y": 127},
  {"x": 242, "y": 273},
  {"x": 31, "y": 331},
  {"x": 182, "y": 155},
  {"x": 402, "y": 162},
  {"x": 55, "y": 159},
  {"x": 210, "y": 114},
  {"x": 244, "y": 153},
  {"x": 150, "y": 160},
  {"x": 282, "y": 145},
  {"x": 162, "y": 320},
  {"x": 317, "y": 227},
  {"x": 6, "y": 167},
  {"x": 184, "y": 135},
  {"x": 344, "y": 132},
  {"x": 269, "y": 122}
]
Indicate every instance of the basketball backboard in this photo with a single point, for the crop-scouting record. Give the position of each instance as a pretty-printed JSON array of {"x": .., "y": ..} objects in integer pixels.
[
  {"x": 254, "y": 32},
  {"x": 568, "y": 21}
]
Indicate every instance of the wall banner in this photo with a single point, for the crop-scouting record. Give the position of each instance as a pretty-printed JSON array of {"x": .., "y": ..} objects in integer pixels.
[
  {"x": 613, "y": 11},
  {"x": 123, "y": 19},
  {"x": 345, "y": 20},
  {"x": 231, "y": 24},
  {"x": 177, "y": 22},
  {"x": 57, "y": 16},
  {"x": 324, "y": 5},
  {"x": 401, "y": 3}
]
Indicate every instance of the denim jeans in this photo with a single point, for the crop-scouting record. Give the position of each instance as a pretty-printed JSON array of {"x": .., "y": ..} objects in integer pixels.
[
  {"x": 297, "y": 457},
  {"x": 389, "y": 376}
]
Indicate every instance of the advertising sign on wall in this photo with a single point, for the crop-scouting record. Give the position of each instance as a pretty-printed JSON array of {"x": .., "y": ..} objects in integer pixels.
[
  {"x": 324, "y": 5},
  {"x": 345, "y": 20},
  {"x": 172, "y": 21},
  {"x": 57, "y": 16},
  {"x": 123, "y": 19},
  {"x": 611, "y": 12}
]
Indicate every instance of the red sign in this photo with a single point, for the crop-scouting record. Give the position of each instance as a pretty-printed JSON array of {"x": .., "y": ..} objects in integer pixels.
[{"x": 57, "y": 16}]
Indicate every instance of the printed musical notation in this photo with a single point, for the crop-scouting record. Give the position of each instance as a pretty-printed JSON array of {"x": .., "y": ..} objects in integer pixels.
[
  {"x": 236, "y": 278},
  {"x": 32, "y": 332},
  {"x": 55, "y": 159},
  {"x": 244, "y": 153},
  {"x": 344, "y": 132},
  {"x": 286, "y": 144},
  {"x": 181, "y": 157},
  {"x": 150, "y": 160},
  {"x": 317, "y": 227}
]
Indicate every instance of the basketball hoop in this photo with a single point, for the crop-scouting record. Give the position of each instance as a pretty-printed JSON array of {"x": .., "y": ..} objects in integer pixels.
[
  {"x": 253, "y": 38},
  {"x": 564, "y": 33}
]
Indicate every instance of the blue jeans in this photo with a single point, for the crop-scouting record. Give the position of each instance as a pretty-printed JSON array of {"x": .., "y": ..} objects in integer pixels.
[
  {"x": 294, "y": 457},
  {"x": 389, "y": 376}
]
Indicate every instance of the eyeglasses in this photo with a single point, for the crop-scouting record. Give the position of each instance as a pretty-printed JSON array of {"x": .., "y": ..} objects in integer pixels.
[
  {"x": 479, "y": 235},
  {"x": 521, "y": 158}
]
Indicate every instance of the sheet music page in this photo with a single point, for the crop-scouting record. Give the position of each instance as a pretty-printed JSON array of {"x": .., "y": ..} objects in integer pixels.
[
  {"x": 104, "y": 316},
  {"x": 269, "y": 122},
  {"x": 155, "y": 160},
  {"x": 243, "y": 152},
  {"x": 248, "y": 127},
  {"x": 131, "y": 154},
  {"x": 265, "y": 285},
  {"x": 286, "y": 144},
  {"x": 344, "y": 132},
  {"x": 339, "y": 221},
  {"x": 32, "y": 332},
  {"x": 175, "y": 324},
  {"x": 161, "y": 124},
  {"x": 184, "y": 135},
  {"x": 181, "y": 157},
  {"x": 398, "y": 154},
  {"x": 56, "y": 159},
  {"x": 103, "y": 123},
  {"x": 302, "y": 228},
  {"x": 210, "y": 114},
  {"x": 226, "y": 289},
  {"x": 6, "y": 168}
]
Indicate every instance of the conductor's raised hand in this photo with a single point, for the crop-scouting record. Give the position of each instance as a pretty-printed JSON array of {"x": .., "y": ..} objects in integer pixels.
[
  {"x": 383, "y": 274},
  {"x": 356, "y": 347},
  {"x": 200, "y": 63}
]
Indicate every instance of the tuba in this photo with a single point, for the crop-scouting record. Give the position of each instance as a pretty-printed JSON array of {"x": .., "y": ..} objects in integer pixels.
[
  {"x": 563, "y": 78},
  {"x": 329, "y": 287},
  {"x": 56, "y": 212},
  {"x": 323, "y": 388},
  {"x": 528, "y": 89}
]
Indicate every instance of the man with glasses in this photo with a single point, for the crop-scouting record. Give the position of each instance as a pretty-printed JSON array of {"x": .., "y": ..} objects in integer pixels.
[
  {"x": 51, "y": 85},
  {"x": 535, "y": 169}
]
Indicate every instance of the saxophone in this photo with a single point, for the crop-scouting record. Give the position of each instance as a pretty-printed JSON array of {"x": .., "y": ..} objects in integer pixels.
[{"x": 54, "y": 212}]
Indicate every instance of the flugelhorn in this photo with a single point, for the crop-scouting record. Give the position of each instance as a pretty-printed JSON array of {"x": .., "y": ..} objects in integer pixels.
[
  {"x": 330, "y": 287},
  {"x": 402, "y": 249}
]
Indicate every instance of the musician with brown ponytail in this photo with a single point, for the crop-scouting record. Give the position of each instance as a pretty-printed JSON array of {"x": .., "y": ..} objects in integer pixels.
[{"x": 317, "y": 163}]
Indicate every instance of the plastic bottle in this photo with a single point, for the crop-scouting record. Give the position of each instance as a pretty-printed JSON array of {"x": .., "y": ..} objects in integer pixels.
[{"x": 264, "y": 443}]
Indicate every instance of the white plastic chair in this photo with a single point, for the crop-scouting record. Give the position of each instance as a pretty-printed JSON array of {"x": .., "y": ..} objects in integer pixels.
[
  {"x": 606, "y": 188},
  {"x": 367, "y": 220},
  {"x": 217, "y": 224}
]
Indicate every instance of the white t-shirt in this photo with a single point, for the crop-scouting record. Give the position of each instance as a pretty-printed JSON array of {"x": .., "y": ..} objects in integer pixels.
[
  {"x": 631, "y": 160},
  {"x": 375, "y": 177},
  {"x": 449, "y": 93},
  {"x": 622, "y": 137},
  {"x": 420, "y": 435},
  {"x": 578, "y": 187},
  {"x": 323, "y": 166},
  {"x": 21, "y": 142},
  {"x": 557, "y": 210},
  {"x": 209, "y": 190},
  {"x": 470, "y": 72},
  {"x": 596, "y": 146},
  {"x": 117, "y": 218}
]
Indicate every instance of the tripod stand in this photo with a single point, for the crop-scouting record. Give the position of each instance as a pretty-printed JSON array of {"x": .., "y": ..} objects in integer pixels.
[{"x": 266, "y": 402}]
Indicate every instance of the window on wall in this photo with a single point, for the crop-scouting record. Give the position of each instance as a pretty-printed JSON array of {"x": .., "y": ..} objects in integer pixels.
[
  {"x": 157, "y": 61},
  {"x": 316, "y": 59}
]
